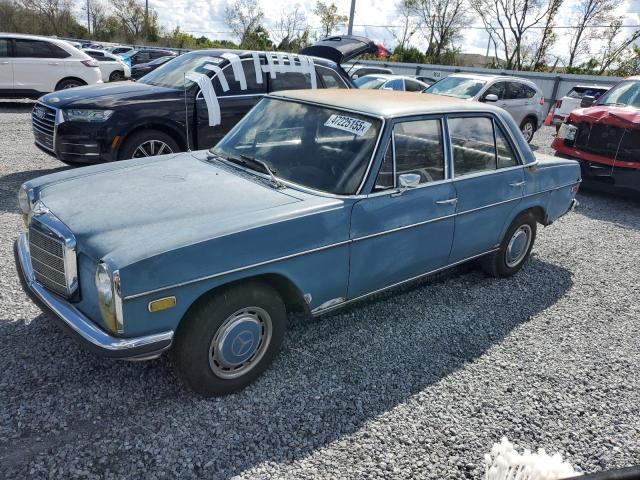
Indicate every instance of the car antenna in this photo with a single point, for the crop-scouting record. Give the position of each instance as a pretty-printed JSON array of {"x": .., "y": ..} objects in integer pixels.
[{"x": 186, "y": 113}]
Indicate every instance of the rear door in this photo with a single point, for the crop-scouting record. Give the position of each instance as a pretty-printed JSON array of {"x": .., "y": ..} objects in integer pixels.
[
  {"x": 6, "y": 65},
  {"x": 517, "y": 101},
  {"x": 38, "y": 65},
  {"x": 234, "y": 103},
  {"x": 489, "y": 183}
]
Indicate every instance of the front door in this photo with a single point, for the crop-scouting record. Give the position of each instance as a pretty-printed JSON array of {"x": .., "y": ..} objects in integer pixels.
[
  {"x": 6, "y": 65},
  {"x": 235, "y": 98},
  {"x": 399, "y": 234},
  {"x": 38, "y": 65},
  {"x": 489, "y": 183}
]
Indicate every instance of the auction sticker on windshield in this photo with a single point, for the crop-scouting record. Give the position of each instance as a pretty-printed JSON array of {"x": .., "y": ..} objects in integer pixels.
[{"x": 348, "y": 124}]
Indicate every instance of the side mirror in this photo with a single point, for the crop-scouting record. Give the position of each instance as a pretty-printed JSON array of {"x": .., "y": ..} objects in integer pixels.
[
  {"x": 587, "y": 101},
  {"x": 409, "y": 180},
  {"x": 492, "y": 97}
]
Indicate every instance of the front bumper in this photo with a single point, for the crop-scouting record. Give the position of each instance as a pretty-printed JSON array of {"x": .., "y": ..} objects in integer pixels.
[{"x": 78, "y": 325}]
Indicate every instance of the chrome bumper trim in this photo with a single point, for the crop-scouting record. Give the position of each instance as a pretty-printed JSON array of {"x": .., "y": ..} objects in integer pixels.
[{"x": 138, "y": 348}]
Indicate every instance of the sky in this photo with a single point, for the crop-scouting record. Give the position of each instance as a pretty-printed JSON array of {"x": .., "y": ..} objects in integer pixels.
[{"x": 373, "y": 19}]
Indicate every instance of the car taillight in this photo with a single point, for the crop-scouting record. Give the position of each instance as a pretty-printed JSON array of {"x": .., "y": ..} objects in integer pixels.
[
  {"x": 89, "y": 63},
  {"x": 559, "y": 104},
  {"x": 541, "y": 100}
]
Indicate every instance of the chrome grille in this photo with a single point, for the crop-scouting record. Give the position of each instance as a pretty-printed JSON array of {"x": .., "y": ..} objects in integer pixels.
[
  {"x": 48, "y": 262},
  {"x": 43, "y": 122}
]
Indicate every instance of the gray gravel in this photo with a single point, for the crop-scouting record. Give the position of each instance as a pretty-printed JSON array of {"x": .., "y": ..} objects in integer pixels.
[{"x": 416, "y": 384}]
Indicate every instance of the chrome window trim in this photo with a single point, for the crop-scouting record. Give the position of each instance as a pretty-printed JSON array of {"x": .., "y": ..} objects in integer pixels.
[{"x": 324, "y": 247}]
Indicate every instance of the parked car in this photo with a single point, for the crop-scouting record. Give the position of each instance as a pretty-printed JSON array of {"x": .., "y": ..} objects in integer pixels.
[
  {"x": 115, "y": 122},
  {"x": 145, "y": 55},
  {"x": 361, "y": 71},
  {"x": 141, "y": 69},
  {"x": 119, "y": 50},
  {"x": 518, "y": 96},
  {"x": 428, "y": 80},
  {"x": 605, "y": 137},
  {"x": 112, "y": 68},
  {"x": 571, "y": 101},
  {"x": 297, "y": 208},
  {"x": 31, "y": 66},
  {"x": 402, "y": 83}
]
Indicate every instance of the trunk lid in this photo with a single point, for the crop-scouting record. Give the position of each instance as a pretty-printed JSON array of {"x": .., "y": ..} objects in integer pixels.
[{"x": 340, "y": 49}]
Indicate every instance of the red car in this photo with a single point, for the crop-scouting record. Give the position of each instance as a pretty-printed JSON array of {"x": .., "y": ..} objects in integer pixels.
[{"x": 605, "y": 137}]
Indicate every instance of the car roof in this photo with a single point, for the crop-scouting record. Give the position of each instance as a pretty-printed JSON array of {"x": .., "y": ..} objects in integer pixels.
[
  {"x": 218, "y": 52},
  {"x": 384, "y": 103},
  {"x": 599, "y": 87},
  {"x": 489, "y": 76}
]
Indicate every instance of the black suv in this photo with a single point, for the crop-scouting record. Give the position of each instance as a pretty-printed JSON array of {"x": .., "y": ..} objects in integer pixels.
[
  {"x": 145, "y": 55},
  {"x": 166, "y": 111}
]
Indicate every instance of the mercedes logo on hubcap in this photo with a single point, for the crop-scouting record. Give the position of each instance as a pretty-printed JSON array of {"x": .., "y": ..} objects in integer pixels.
[{"x": 242, "y": 344}]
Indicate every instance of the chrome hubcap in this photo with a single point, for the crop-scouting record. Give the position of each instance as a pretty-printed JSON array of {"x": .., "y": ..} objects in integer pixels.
[
  {"x": 240, "y": 342},
  {"x": 70, "y": 85},
  {"x": 527, "y": 131},
  {"x": 151, "y": 148},
  {"x": 518, "y": 246}
]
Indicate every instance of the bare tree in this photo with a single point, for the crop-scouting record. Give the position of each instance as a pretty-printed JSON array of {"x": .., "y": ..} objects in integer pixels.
[
  {"x": 96, "y": 11},
  {"x": 441, "y": 21},
  {"x": 131, "y": 15},
  {"x": 614, "y": 48},
  {"x": 408, "y": 23},
  {"x": 57, "y": 12},
  {"x": 588, "y": 13},
  {"x": 243, "y": 18},
  {"x": 510, "y": 21},
  {"x": 290, "y": 29},
  {"x": 329, "y": 17},
  {"x": 546, "y": 39}
]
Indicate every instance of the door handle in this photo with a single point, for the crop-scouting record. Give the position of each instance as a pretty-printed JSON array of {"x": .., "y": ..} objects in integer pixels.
[
  {"x": 53, "y": 63},
  {"x": 517, "y": 184},
  {"x": 4, "y": 63},
  {"x": 450, "y": 201}
]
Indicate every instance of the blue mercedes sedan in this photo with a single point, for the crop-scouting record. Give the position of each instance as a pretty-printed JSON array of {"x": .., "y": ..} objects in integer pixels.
[{"x": 314, "y": 200}]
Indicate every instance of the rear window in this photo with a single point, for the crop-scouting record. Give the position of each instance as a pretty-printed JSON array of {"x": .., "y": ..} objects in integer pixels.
[{"x": 580, "y": 92}]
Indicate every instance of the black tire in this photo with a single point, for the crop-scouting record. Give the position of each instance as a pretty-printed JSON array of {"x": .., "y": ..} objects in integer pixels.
[
  {"x": 138, "y": 139},
  {"x": 194, "y": 353},
  {"x": 116, "y": 76},
  {"x": 501, "y": 263},
  {"x": 528, "y": 129},
  {"x": 69, "y": 83}
]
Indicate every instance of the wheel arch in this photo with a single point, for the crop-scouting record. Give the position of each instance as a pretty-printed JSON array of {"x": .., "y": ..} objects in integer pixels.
[
  {"x": 172, "y": 130},
  {"x": 70, "y": 78},
  {"x": 291, "y": 295},
  {"x": 535, "y": 209}
]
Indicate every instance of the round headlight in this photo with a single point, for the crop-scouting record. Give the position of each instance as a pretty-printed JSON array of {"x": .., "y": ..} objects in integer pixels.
[{"x": 104, "y": 286}]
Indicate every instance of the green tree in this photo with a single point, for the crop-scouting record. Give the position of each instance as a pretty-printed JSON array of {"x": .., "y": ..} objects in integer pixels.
[{"x": 329, "y": 17}]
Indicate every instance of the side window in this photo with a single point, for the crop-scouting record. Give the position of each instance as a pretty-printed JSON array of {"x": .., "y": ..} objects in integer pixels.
[
  {"x": 396, "y": 84},
  {"x": 330, "y": 78},
  {"x": 474, "y": 149},
  {"x": 289, "y": 81},
  {"x": 517, "y": 91},
  {"x": 497, "y": 88},
  {"x": 385, "y": 175},
  {"x": 419, "y": 149},
  {"x": 4, "y": 47},
  {"x": 506, "y": 155},
  {"x": 142, "y": 57},
  {"x": 411, "y": 86},
  {"x": 528, "y": 91},
  {"x": 38, "y": 49},
  {"x": 253, "y": 86}
]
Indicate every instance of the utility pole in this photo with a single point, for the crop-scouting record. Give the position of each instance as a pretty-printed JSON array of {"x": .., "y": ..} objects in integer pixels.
[
  {"x": 146, "y": 19},
  {"x": 351, "y": 15},
  {"x": 88, "y": 18}
]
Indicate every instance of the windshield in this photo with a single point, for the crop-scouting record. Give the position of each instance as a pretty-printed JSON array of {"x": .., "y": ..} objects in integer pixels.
[
  {"x": 624, "y": 94},
  {"x": 172, "y": 74},
  {"x": 369, "y": 82},
  {"x": 459, "y": 87},
  {"x": 317, "y": 147}
]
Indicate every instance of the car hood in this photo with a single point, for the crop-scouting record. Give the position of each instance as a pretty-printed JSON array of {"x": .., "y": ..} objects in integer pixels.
[
  {"x": 141, "y": 208},
  {"x": 624, "y": 117},
  {"x": 106, "y": 95}
]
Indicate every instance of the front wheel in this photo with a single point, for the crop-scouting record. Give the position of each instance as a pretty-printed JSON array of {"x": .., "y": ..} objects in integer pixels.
[
  {"x": 528, "y": 128},
  {"x": 116, "y": 76},
  {"x": 515, "y": 248},
  {"x": 148, "y": 143},
  {"x": 228, "y": 339}
]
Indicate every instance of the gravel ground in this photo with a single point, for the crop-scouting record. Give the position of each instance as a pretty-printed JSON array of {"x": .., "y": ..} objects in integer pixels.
[{"x": 415, "y": 384}]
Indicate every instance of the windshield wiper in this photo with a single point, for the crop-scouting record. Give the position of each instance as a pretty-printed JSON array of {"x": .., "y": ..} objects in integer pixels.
[{"x": 252, "y": 163}]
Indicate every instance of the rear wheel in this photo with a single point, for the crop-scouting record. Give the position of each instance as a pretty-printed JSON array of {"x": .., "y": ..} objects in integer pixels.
[
  {"x": 116, "y": 76},
  {"x": 515, "y": 247},
  {"x": 148, "y": 143},
  {"x": 69, "y": 83},
  {"x": 227, "y": 340},
  {"x": 528, "y": 128}
]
